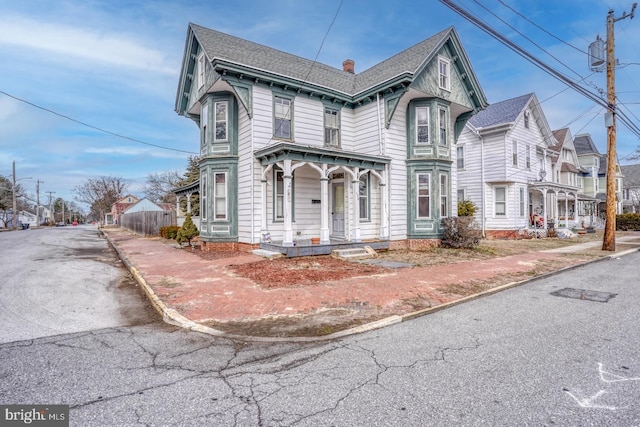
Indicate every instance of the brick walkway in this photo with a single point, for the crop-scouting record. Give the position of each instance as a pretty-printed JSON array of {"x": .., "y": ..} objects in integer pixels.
[{"x": 201, "y": 290}]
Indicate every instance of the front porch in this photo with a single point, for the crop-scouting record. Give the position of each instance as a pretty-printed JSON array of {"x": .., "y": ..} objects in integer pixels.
[{"x": 304, "y": 247}]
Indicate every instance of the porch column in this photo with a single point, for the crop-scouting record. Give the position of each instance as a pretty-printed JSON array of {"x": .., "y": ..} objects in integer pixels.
[
  {"x": 566, "y": 210},
  {"x": 555, "y": 214},
  {"x": 356, "y": 205},
  {"x": 263, "y": 209},
  {"x": 178, "y": 212},
  {"x": 384, "y": 218},
  {"x": 188, "y": 203},
  {"x": 288, "y": 232},
  {"x": 324, "y": 207},
  {"x": 544, "y": 207}
]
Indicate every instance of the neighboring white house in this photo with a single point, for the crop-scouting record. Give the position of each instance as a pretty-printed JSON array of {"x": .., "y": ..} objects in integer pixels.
[
  {"x": 505, "y": 165},
  {"x": 24, "y": 217},
  {"x": 293, "y": 149}
]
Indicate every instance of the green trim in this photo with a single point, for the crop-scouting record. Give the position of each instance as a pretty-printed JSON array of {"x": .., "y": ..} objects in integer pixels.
[
  {"x": 368, "y": 217},
  {"x": 327, "y": 105},
  {"x": 426, "y": 228},
  {"x": 289, "y": 151},
  {"x": 291, "y": 98},
  {"x": 244, "y": 93},
  {"x": 434, "y": 149},
  {"x": 230, "y": 146},
  {"x": 391, "y": 103},
  {"x": 227, "y": 228}
]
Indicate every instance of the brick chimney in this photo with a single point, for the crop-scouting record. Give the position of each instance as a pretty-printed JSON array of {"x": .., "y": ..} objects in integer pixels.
[{"x": 349, "y": 66}]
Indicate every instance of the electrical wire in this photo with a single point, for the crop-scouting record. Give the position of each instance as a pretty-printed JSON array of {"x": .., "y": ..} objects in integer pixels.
[{"x": 92, "y": 126}]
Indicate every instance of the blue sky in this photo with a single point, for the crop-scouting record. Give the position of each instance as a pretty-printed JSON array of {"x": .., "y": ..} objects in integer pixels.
[{"x": 115, "y": 65}]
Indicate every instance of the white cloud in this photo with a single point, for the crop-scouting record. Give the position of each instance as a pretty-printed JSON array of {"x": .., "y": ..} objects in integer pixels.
[{"x": 83, "y": 43}]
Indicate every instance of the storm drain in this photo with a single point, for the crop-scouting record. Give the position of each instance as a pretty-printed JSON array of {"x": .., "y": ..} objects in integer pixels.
[{"x": 584, "y": 294}]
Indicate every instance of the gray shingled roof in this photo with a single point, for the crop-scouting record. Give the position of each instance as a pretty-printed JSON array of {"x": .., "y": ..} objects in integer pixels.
[
  {"x": 502, "y": 112},
  {"x": 252, "y": 55},
  {"x": 631, "y": 175},
  {"x": 559, "y": 135},
  {"x": 584, "y": 145}
]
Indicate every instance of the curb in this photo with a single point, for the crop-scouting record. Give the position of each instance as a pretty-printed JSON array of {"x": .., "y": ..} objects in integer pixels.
[{"x": 172, "y": 317}]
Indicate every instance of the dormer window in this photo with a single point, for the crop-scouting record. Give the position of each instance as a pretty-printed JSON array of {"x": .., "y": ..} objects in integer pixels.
[{"x": 444, "y": 73}]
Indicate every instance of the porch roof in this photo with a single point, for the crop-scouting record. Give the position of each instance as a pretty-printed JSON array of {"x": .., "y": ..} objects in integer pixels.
[
  {"x": 553, "y": 186},
  {"x": 288, "y": 151},
  {"x": 193, "y": 187}
]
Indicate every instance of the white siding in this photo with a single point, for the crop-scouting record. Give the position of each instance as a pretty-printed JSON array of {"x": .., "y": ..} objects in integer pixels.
[
  {"x": 396, "y": 147},
  {"x": 308, "y": 118},
  {"x": 248, "y": 183}
]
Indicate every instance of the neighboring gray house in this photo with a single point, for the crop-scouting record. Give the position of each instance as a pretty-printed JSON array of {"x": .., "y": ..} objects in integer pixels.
[
  {"x": 631, "y": 188},
  {"x": 594, "y": 176},
  {"x": 293, "y": 149}
]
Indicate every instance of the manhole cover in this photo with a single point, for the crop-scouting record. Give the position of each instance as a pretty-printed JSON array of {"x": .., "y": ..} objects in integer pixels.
[{"x": 584, "y": 294}]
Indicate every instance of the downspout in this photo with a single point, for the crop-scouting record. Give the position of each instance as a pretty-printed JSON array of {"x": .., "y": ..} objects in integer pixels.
[
  {"x": 251, "y": 171},
  {"x": 484, "y": 220},
  {"x": 380, "y": 138}
]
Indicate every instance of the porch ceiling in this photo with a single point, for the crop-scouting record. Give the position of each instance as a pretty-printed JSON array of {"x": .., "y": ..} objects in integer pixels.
[
  {"x": 193, "y": 187},
  {"x": 552, "y": 186},
  {"x": 288, "y": 151}
]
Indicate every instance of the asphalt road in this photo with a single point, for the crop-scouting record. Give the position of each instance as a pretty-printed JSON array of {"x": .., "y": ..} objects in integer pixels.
[
  {"x": 520, "y": 357},
  {"x": 61, "y": 280}
]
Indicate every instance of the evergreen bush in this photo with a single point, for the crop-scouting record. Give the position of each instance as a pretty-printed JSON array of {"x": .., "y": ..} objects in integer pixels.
[
  {"x": 169, "y": 232},
  {"x": 466, "y": 208},
  {"x": 188, "y": 231}
]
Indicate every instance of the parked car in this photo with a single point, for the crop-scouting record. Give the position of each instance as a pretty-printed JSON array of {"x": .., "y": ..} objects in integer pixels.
[
  {"x": 61, "y": 224},
  {"x": 74, "y": 223}
]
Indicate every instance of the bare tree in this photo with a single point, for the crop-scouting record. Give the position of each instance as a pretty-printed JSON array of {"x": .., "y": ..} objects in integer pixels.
[
  {"x": 101, "y": 193},
  {"x": 159, "y": 185}
]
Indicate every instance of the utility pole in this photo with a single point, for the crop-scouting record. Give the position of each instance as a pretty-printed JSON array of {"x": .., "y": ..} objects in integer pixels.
[
  {"x": 15, "y": 202},
  {"x": 38, "y": 182},
  {"x": 609, "y": 239},
  {"x": 51, "y": 219}
]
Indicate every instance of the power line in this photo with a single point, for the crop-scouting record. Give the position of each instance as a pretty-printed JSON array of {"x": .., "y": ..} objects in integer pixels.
[
  {"x": 538, "y": 63},
  {"x": 93, "y": 127}
]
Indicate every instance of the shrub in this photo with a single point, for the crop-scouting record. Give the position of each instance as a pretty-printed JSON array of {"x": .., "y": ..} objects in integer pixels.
[
  {"x": 188, "y": 231},
  {"x": 460, "y": 232},
  {"x": 169, "y": 232},
  {"x": 628, "y": 221},
  {"x": 466, "y": 208}
]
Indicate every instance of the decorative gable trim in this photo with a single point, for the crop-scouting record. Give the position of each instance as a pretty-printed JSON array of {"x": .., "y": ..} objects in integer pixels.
[
  {"x": 244, "y": 93},
  {"x": 391, "y": 103}
]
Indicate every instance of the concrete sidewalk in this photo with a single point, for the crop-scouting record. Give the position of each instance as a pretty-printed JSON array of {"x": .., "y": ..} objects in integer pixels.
[{"x": 194, "y": 293}]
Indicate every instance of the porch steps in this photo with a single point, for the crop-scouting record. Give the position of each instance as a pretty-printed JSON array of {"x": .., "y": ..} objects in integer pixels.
[
  {"x": 354, "y": 253},
  {"x": 267, "y": 254}
]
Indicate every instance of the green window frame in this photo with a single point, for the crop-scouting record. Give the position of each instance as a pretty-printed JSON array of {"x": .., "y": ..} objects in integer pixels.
[
  {"x": 331, "y": 127},
  {"x": 221, "y": 121},
  {"x": 444, "y": 73},
  {"x": 282, "y": 117},
  {"x": 442, "y": 126},
  {"x": 278, "y": 196},
  {"x": 444, "y": 195},
  {"x": 203, "y": 196},
  {"x": 364, "y": 198},
  {"x": 423, "y": 196},
  {"x": 460, "y": 157},
  {"x": 422, "y": 125},
  {"x": 204, "y": 124},
  {"x": 220, "y": 193}
]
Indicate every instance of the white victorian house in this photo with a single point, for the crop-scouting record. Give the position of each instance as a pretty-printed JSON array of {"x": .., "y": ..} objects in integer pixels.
[
  {"x": 505, "y": 165},
  {"x": 292, "y": 149}
]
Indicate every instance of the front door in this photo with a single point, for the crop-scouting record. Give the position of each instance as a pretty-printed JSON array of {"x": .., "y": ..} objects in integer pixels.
[{"x": 337, "y": 213}]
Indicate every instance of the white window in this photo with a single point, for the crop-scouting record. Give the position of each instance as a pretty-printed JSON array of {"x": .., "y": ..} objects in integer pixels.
[
  {"x": 442, "y": 124},
  {"x": 220, "y": 195},
  {"x": 201, "y": 63},
  {"x": 204, "y": 121},
  {"x": 444, "y": 72},
  {"x": 500, "y": 201},
  {"x": 331, "y": 128},
  {"x": 460, "y": 157},
  {"x": 461, "y": 196},
  {"x": 422, "y": 125},
  {"x": 444, "y": 196},
  {"x": 526, "y": 119},
  {"x": 424, "y": 199},
  {"x": 527, "y": 157},
  {"x": 514, "y": 151},
  {"x": 221, "y": 121},
  {"x": 364, "y": 197},
  {"x": 282, "y": 117},
  {"x": 279, "y": 190},
  {"x": 203, "y": 196},
  {"x": 521, "y": 201}
]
